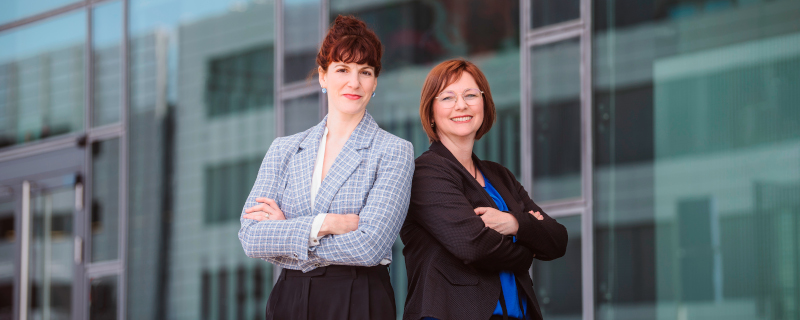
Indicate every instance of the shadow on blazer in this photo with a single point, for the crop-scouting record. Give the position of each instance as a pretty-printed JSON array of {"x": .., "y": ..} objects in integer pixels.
[{"x": 453, "y": 260}]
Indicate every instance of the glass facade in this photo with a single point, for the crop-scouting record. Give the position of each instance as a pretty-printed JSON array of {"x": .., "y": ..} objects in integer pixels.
[{"x": 665, "y": 135}]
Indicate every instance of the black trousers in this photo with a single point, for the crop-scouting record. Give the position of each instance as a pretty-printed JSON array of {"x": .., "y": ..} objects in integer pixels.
[{"x": 333, "y": 292}]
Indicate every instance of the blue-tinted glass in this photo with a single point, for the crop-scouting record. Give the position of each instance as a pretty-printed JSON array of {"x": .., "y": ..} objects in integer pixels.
[
  {"x": 547, "y": 12},
  {"x": 42, "y": 79},
  {"x": 301, "y": 113},
  {"x": 106, "y": 63},
  {"x": 301, "y": 39},
  {"x": 556, "y": 105},
  {"x": 696, "y": 139},
  {"x": 558, "y": 283},
  {"x": 105, "y": 200},
  {"x": 201, "y": 120},
  {"x": 11, "y": 10}
]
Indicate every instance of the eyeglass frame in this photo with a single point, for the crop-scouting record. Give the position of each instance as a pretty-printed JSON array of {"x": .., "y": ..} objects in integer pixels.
[{"x": 436, "y": 98}]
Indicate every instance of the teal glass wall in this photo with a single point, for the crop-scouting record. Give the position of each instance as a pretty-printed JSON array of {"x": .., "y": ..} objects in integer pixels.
[
  {"x": 42, "y": 79},
  {"x": 201, "y": 81},
  {"x": 697, "y": 149}
]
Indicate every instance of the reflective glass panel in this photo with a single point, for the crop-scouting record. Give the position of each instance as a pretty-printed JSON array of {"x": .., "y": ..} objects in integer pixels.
[
  {"x": 696, "y": 139},
  {"x": 201, "y": 100},
  {"x": 103, "y": 298},
  {"x": 301, "y": 113},
  {"x": 558, "y": 283},
  {"x": 7, "y": 253},
  {"x": 555, "y": 72},
  {"x": 42, "y": 79},
  {"x": 51, "y": 253},
  {"x": 301, "y": 38},
  {"x": 547, "y": 12},
  {"x": 106, "y": 63},
  {"x": 105, "y": 200},
  {"x": 11, "y": 10}
]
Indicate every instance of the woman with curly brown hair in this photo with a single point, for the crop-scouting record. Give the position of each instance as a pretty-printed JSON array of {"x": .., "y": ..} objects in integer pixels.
[{"x": 328, "y": 202}]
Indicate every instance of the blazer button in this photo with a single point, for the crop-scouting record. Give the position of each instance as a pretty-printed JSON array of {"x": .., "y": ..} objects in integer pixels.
[{"x": 295, "y": 255}]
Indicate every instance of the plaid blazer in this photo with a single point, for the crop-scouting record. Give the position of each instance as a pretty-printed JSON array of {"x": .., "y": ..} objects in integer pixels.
[{"x": 370, "y": 177}]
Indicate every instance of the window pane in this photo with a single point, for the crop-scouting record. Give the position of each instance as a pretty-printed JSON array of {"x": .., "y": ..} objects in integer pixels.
[
  {"x": 106, "y": 61},
  {"x": 301, "y": 38},
  {"x": 42, "y": 79},
  {"x": 555, "y": 69},
  {"x": 301, "y": 113},
  {"x": 558, "y": 283},
  {"x": 103, "y": 298},
  {"x": 105, "y": 200},
  {"x": 547, "y": 12},
  {"x": 201, "y": 121},
  {"x": 11, "y": 10},
  {"x": 696, "y": 140}
]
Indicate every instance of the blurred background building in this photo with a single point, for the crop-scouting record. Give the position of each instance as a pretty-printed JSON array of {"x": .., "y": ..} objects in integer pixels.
[{"x": 665, "y": 134}]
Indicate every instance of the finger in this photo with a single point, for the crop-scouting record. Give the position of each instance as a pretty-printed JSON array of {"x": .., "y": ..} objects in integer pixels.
[
  {"x": 261, "y": 199},
  {"x": 254, "y": 216},
  {"x": 255, "y": 208},
  {"x": 481, "y": 210}
]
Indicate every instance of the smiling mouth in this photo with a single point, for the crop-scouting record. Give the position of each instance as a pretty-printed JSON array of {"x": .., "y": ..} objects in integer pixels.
[
  {"x": 352, "y": 96},
  {"x": 462, "y": 119}
]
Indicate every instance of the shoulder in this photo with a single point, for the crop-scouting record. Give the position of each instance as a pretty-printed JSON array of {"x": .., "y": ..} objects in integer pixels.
[
  {"x": 391, "y": 145},
  {"x": 283, "y": 146},
  {"x": 431, "y": 165}
]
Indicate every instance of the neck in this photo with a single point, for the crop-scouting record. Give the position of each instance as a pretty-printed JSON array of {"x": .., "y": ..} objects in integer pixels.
[
  {"x": 461, "y": 148},
  {"x": 341, "y": 125}
]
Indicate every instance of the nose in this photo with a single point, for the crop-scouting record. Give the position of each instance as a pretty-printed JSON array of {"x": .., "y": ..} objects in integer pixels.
[
  {"x": 352, "y": 80},
  {"x": 460, "y": 103}
]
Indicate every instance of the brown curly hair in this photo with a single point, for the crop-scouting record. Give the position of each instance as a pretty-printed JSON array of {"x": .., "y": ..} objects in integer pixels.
[{"x": 349, "y": 40}]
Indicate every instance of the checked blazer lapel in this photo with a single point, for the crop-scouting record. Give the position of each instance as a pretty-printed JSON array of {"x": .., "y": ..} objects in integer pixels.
[
  {"x": 301, "y": 167},
  {"x": 346, "y": 162}
]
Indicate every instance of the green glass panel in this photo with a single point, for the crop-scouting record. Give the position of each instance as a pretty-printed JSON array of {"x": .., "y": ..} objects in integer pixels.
[
  {"x": 558, "y": 283},
  {"x": 107, "y": 63},
  {"x": 42, "y": 79},
  {"x": 105, "y": 200},
  {"x": 696, "y": 141},
  {"x": 556, "y": 105}
]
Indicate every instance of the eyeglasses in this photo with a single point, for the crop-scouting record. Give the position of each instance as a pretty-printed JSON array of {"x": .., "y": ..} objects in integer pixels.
[{"x": 448, "y": 99}]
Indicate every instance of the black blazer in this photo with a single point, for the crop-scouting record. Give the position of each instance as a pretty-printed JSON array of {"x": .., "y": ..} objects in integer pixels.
[{"x": 453, "y": 260}]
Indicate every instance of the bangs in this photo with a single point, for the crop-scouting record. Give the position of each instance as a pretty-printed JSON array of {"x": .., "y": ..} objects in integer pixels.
[{"x": 353, "y": 49}]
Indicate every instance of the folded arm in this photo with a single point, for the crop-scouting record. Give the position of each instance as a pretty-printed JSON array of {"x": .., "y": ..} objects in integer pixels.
[
  {"x": 273, "y": 238},
  {"x": 381, "y": 217},
  {"x": 440, "y": 206},
  {"x": 546, "y": 238}
]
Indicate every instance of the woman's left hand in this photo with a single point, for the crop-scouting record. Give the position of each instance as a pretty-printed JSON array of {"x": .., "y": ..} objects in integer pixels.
[
  {"x": 267, "y": 210},
  {"x": 499, "y": 221}
]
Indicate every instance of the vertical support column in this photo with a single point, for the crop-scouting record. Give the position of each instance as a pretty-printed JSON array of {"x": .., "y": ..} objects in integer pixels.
[
  {"x": 122, "y": 289},
  {"x": 587, "y": 165},
  {"x": 25, "y": 244}
]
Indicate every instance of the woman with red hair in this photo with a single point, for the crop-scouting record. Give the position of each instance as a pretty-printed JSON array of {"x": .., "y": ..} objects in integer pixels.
[
  {"x": 472, "y": 230},
  {"x": 328, "y": 202}
]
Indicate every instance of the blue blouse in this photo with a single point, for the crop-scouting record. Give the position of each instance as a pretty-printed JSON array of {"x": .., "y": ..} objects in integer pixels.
[{"x": 507, "y": 279}]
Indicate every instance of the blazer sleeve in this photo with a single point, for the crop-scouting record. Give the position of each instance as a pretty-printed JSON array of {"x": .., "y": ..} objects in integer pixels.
[
  {"x": 381, "y": 217},
  {"x": 546, "y": 238},
  {"x": 270, "y": 239},
  {"x": 440, "y": 206}
]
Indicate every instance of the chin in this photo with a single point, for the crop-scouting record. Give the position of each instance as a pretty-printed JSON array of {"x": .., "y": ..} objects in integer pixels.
[{"x": 348, "y": 108}]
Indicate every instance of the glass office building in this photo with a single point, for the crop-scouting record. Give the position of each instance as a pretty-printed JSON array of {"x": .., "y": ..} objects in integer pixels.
[{"x": 664, "y": 134}]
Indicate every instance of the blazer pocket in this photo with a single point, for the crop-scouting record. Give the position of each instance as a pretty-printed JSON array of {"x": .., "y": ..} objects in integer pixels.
[{"x": 457, "y": 274}]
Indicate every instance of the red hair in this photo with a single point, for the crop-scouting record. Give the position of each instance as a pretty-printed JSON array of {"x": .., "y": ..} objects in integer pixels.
[
  {"x": 349, "y": 40},
  {"x": 443, "y": 75}
]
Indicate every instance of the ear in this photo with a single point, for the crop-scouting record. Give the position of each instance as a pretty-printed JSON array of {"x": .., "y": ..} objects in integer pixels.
[
  {"x": 375, "y": 87},
  {"x": 322, "y": 77}
]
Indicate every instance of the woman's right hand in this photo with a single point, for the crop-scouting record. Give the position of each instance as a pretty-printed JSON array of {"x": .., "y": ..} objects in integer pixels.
[{"x": 338, "y": 224}]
